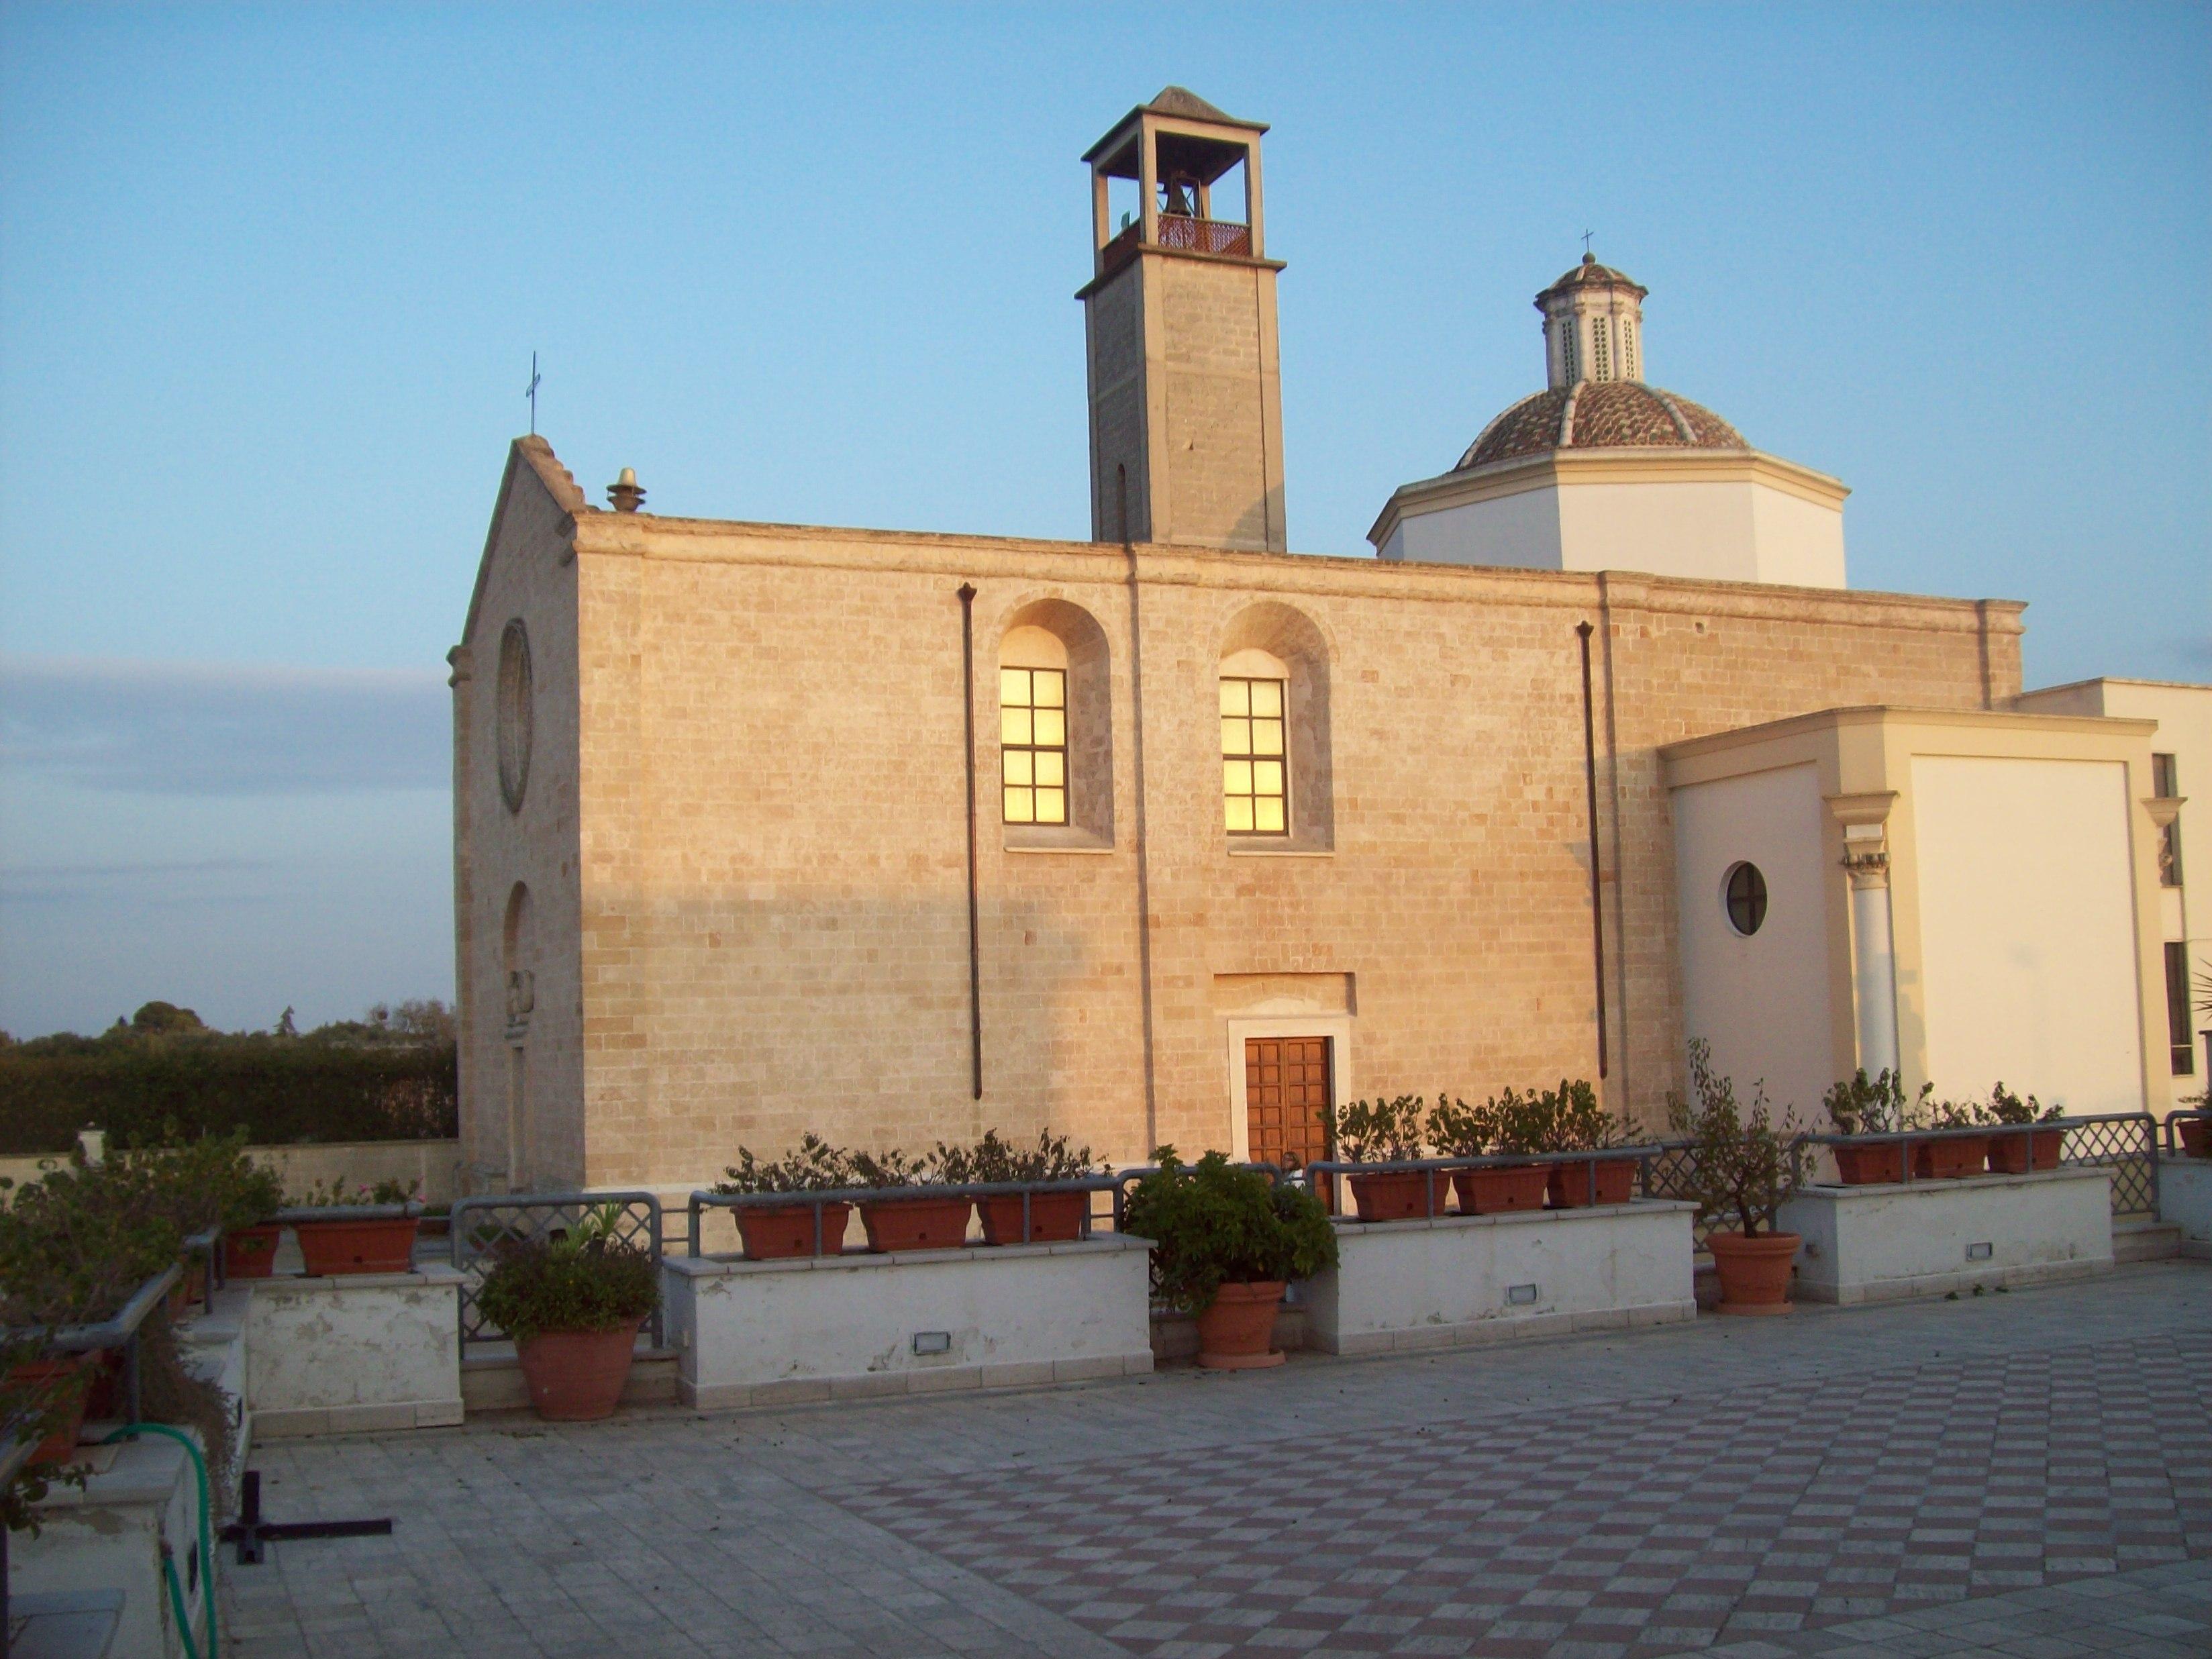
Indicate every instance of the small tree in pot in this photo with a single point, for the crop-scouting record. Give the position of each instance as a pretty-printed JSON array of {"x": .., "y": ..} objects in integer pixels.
[
  {"x": 1054, "y": 1217},
  {"x": 1741, "y": 1170},
  {"x": 1385, "y": 1132},
  {"x": 1501, "y": 1127},
  {"x": 572, "y": 1304},
  {"x": 1573, "y": 1121},
  {"x": 770, "y": 1231},
  {"x": 1225, "y": 1241},
  {"x": 2016, "y": 1154},
  {"x": 1860, "y": 1105}
]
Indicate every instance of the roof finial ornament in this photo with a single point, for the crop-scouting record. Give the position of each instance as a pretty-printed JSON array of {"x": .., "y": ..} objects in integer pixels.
[
  {"x": 626, "y": 493},
  {"x": 1589, "y": 258}
]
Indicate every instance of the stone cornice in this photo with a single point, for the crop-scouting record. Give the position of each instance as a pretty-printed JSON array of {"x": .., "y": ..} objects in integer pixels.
[
  {"x": 2003, "y": 720},
  {"x": 1561, "y": 468}
]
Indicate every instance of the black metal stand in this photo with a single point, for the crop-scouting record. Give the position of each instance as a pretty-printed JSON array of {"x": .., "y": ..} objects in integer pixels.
[{"x": 249, "y": 1532}]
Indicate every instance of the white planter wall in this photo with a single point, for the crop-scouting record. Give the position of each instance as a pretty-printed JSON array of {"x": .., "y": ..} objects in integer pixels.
[
  {"x": 2184, "y": 1197},
  {"x": 833, "y": 1327},
  {"x": 1928, "y": 1238},
  {"x": 354, "y": 1353},
  {"x": 108, "y": 1536},
  {"x": 1460, "y": 1280}
]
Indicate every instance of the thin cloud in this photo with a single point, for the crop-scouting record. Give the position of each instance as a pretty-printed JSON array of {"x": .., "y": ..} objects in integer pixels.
[{"x": 204, "y": 729}]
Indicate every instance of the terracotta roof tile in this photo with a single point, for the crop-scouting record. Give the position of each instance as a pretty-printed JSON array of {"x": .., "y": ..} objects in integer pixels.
[{"x": 1608, "y": 415}]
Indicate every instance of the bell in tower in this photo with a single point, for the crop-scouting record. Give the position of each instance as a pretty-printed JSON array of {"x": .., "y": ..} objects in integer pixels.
[{"x": 1179, "y": 317}]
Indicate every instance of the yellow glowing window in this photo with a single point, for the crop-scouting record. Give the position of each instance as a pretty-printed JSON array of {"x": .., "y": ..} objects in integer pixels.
[
  {"x": 1254, "y": 795},
  {"x": 1033, "y": 743}
]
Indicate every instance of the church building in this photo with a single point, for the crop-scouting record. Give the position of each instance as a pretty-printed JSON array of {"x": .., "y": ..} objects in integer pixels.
[{"x": 1174, "y": 835}]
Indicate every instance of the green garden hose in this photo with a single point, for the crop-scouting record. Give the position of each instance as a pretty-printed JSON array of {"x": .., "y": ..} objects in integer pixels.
[{"x": 207, "y": 1539}]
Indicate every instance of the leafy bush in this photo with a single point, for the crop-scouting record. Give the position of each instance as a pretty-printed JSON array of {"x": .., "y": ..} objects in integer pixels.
[
  {"x": 337, "y": 1194},
  {"x": 816, "y": 1167},
  {"x": 1567, "y": 1119},
  {"x": 279, "y": 1090},
  {"x": 895, "y": 1168},
  {"x": 1459, "y": 1130},
  {"x": 1862, "y": 1106},
  {"x": 74, "y": 1245},
  {"x": 1376, "y": 1131},
  {"x": 2006, "y": 1107},
  {"x": 1213, "y": 1224},
  {"x": 1742, "y": 1165},
  {"x": 992, "y": 1159},
  {"x": 583, "y": 1279}
]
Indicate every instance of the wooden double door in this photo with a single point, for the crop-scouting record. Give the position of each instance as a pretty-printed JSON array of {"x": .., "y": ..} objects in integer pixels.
[{"x": 1287, "y": 1081}]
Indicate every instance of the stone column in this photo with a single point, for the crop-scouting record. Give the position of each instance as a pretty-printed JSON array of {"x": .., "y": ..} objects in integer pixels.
[{"x": 1874, "y": 957}]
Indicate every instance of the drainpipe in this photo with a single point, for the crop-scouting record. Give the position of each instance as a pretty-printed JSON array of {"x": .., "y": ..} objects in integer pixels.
[
  {"x": 1589, "y": 796},
  {"x": 1144, "y": 877},
  {"x": 975, "y": 929}
]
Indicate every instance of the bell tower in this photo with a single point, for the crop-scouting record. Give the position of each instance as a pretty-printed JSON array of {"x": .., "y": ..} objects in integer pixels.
[{"x": 1179, "y": 320}]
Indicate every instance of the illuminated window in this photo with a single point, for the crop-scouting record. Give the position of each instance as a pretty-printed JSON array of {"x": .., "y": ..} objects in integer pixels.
[
  {"x": 1254, "y": 794},
  {"x": 1033, "y": 743}
]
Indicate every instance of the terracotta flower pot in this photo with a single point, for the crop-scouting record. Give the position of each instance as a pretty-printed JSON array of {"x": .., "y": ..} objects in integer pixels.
[
  {"x": 1400, "y": 1196},
  {"x": 62, "y": 1380},
  {"x": 1755, "y": 1272},
  {"x": 2010, "y": 1154},
  {"x": 333, "y": 1248},
  {"x": 1950, "y": 1160},
  {"x": 1871, "y": 1166},
  {"x": 1234, "y": 1334},
  {"x": 577, "y": 1377},
  {"x": 251, "y": 1252},
  {"x": 1502, "y": 1190},
  {"x": 1054, "y": 1217},
  {"x": 1571, "y": 1183},
  {"x": 776, "y": 1230},
  {"x": 916, "y": 1224},
  {"x": 2196, "y": 1134}
]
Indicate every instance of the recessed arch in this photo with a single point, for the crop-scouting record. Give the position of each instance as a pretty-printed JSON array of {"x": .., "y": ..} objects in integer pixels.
[
  {"x": 1057, "y": 636},
  {"x": 1270, "y": 640}
]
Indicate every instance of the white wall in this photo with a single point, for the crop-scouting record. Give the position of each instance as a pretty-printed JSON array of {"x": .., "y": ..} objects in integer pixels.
[
  {"x": 1521, "y": 530},
  {"x": 1711, "y": 530},
  {"x": 1762, "y": 1002},
  {"x": 2027, "y": 929}
]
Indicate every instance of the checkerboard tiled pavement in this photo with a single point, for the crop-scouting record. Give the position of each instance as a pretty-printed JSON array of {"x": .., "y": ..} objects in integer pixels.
[
  {"x": 1736, "y": 1482},
  {"x": 1651, "y": 1528}
]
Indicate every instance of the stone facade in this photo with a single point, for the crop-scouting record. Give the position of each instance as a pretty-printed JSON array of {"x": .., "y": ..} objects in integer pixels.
[{"x": 744, "y": 832}]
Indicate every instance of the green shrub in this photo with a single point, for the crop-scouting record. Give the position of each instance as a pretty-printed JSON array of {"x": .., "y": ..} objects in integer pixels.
[
  {"x": 1376, "y": 1131},
  {"x": 584, "y": 1279},
  {"x": 816, "y": 1167},
  {"x": 1741, "y": 1166},
  {"x": 1567, "y": 1119},
  {"x": 1213, "y": 1224},
  {"x": 74, "y": 1245},
  {"x": 279, "y": 1090},
  {"x": 2006, "y": 1107},
  {"x": 992, "y": 1159},
  {"x": 1859, "y": 1105},
  {"x": 898, "y": 1169}
]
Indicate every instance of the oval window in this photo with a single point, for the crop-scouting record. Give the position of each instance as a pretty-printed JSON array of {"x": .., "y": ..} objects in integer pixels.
[
  {"x": 515, "y": 721},
  {"x": 1744, "y": 891}
]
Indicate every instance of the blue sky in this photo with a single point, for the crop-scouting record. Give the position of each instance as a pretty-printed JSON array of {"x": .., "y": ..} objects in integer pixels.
[{"x": 270, "y": 278}]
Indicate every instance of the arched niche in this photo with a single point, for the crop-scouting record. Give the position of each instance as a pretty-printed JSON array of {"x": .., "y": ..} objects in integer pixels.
[
  {"x": 1270, "y": 640},
  {"x": 1056, "y": 635}
]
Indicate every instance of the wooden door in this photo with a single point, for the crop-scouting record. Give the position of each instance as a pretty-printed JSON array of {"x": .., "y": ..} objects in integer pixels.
[{"x": 1286, "y": 1083}]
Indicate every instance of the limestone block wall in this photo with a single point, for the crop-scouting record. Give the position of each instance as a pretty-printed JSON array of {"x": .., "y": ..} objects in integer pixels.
[{"x": 772, "y": 923}]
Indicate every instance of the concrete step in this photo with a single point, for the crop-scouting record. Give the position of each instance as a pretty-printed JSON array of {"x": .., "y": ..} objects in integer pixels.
[{"x": 2146, "y": 1241}]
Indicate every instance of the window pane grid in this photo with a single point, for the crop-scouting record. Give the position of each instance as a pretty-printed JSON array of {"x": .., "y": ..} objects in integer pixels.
[
  {"x": 1254, "y": 779},
  {"x": 1033, "y": 744}
]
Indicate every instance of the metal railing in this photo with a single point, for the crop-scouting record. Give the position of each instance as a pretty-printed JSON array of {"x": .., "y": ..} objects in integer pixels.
[
  {"x": 2123, "y": 1143},
  {"x": 1314, "y": 1176},
  {"x": 118, "y": 1330},
  {"x": 1180, "y": 232},
  {"x": 817, "y": 1201},
  {"x": 2170, "y": 1131},
  {"x": 479, "y": 1226}
]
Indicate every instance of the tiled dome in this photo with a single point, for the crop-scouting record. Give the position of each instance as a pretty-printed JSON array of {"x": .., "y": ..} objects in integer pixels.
[
  {"x": 1599, "y": 415},
  {"x": 1590, "y": 274}
]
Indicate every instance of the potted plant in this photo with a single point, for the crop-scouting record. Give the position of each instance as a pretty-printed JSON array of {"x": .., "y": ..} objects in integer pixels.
[
  {"x": 1054, "y": 1217},
  {"x": 1872, "y": 1106},
  {"x": 2016, "y": 1154},
  {"x": 1385, "y": 1132},
  {"x": 1225, "y": 1241},
  {"x": 1502, "y": 1126},
  {"x": 921, "y": 1221},
  {"x": 250, "y": 1232},
  {"x": 358, "y": 1244},
  {"x": 1955, "y": 1159},
  {"x": 573, "y": 1302},
  {"x": 2195, "y": 1133},
  {"x": 1740, "y": 1168},
  {"x": 771, "y": 1232},
  {"x": 1574, "y": 1122}
]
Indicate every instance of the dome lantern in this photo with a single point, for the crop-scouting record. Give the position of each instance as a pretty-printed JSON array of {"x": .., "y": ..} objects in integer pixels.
[{"x": 1593, "y": 325}]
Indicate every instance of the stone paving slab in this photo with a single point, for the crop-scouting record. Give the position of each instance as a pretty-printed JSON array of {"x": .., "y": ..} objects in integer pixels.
[{"x": 2029, "y": 1474}]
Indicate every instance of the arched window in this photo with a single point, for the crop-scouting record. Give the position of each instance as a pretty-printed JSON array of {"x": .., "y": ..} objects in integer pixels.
[
  {"x": 1272, "y": 692},
  {"x": 1055, "y": 729}
]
